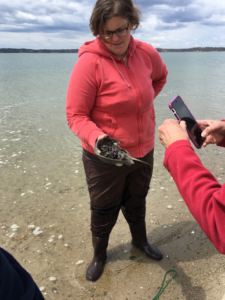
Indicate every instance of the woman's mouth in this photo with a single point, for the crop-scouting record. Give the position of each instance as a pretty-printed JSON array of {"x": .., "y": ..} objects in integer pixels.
[{"x": 116, "y": 45}]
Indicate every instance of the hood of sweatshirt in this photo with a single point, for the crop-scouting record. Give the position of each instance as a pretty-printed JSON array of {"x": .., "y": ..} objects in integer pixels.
[{"x": 97, "y": 46}]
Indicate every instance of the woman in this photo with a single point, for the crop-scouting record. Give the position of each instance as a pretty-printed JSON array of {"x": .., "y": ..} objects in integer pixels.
[{"x": 111, "y": 92}]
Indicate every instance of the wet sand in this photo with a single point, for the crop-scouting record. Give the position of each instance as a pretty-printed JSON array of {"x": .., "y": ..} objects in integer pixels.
[{"x": 53, "y": 196}]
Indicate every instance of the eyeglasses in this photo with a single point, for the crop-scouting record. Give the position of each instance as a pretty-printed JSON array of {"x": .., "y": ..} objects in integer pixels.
[{"x": 118, "y": 32}]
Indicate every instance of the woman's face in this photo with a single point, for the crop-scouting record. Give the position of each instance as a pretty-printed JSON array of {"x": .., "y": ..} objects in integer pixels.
[{"x": 118, "y": 45}]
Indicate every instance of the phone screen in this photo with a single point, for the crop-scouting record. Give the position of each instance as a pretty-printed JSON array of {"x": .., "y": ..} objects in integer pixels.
[{"x": 186, "y": 116}]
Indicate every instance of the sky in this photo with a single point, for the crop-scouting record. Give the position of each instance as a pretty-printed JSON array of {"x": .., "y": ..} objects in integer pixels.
[{"x": 64, "y": 24}]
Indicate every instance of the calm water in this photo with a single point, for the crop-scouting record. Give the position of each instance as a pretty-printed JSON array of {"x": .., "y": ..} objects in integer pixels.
[{"x": 34, "y": 137}]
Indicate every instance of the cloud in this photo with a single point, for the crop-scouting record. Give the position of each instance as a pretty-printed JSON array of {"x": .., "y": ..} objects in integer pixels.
[
  {"x": 184, "y": 15},
  {"x": 166, "y": 27},
  {"x": 173, "y": 15},
  {"x": 65, "y": 24},
  {"x": 170, "y": 3},
  {"x": 214, "y": 24},
  {"x": 44, "y": 16}
]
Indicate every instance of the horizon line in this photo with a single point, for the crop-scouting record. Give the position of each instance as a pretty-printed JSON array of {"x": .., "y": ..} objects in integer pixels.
[{"x": 207, "y": 49}]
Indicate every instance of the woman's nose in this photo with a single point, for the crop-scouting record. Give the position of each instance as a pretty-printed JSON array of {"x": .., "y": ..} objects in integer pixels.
[{"x": 115, "y": 37}]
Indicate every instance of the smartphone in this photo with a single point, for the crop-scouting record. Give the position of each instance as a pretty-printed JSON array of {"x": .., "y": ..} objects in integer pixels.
[{"x": 182, "y": 113}]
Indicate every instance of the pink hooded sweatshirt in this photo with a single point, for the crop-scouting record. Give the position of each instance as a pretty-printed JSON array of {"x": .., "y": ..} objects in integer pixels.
[{"x": 107, "y": 96}]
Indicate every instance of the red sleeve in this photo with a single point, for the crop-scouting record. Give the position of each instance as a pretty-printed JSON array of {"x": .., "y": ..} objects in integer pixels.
[
  {"x": 159, "y": 73},
  {"x": 222, "y": 143},
  {"x": 204, "y": 196},
  {"x": 80, "y": 100}
]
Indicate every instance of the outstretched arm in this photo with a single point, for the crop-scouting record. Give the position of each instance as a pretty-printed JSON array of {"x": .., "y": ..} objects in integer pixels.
[{"x": 202, "y": 193}]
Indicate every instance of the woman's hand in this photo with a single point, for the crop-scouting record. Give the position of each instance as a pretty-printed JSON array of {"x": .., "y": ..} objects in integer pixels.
[
  {"x": 101, "y": 137},
  {"x": 171, "y": 131},
  {"x": 213, "y": 131}
]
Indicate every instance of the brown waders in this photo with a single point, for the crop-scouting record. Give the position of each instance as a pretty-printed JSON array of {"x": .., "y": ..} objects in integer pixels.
[{"x": 112, "y": 188}]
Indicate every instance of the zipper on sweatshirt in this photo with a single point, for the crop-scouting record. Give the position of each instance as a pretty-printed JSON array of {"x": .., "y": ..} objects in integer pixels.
[
  {"x": 139, "y": 107},
  {"x": 126, "y": 61}
]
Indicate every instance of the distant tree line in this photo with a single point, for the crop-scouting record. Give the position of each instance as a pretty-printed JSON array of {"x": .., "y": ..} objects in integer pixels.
[
  {"x": 23, "y": 50},
  {"x": 196, "y": 49}
]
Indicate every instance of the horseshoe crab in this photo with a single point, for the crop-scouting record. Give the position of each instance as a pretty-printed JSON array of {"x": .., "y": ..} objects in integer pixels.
[{"x": 109, "y": 151}]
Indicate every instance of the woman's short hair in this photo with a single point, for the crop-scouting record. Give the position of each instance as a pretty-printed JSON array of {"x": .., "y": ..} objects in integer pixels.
[{"x": 106, "y": 9}]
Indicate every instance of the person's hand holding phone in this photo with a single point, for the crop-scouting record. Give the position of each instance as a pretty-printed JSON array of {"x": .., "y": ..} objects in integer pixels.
[
  {"x": 171, "y": 131},
  {"x": 213, "y": 131},
  {"x": 182, "y": 113}
]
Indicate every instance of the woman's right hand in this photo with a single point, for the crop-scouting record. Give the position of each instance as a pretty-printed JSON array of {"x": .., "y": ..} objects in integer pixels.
[
  {"x": 213, "y": 131},
  {"x": 101, "y": 137}
]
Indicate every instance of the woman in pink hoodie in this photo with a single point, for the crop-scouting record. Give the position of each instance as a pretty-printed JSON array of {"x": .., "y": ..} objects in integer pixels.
[{"x": 110, "y": 93}]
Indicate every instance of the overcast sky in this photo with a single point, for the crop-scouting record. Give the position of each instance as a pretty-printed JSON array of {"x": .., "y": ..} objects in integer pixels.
[{"x": 64, "y": 24}]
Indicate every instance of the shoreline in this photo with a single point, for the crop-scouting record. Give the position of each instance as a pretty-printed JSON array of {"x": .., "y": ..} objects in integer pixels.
[{"x": 24, "y": 50}]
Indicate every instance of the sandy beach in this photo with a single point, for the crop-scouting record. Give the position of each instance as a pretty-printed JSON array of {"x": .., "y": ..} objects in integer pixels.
[{"x": 51, "y": 234}]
